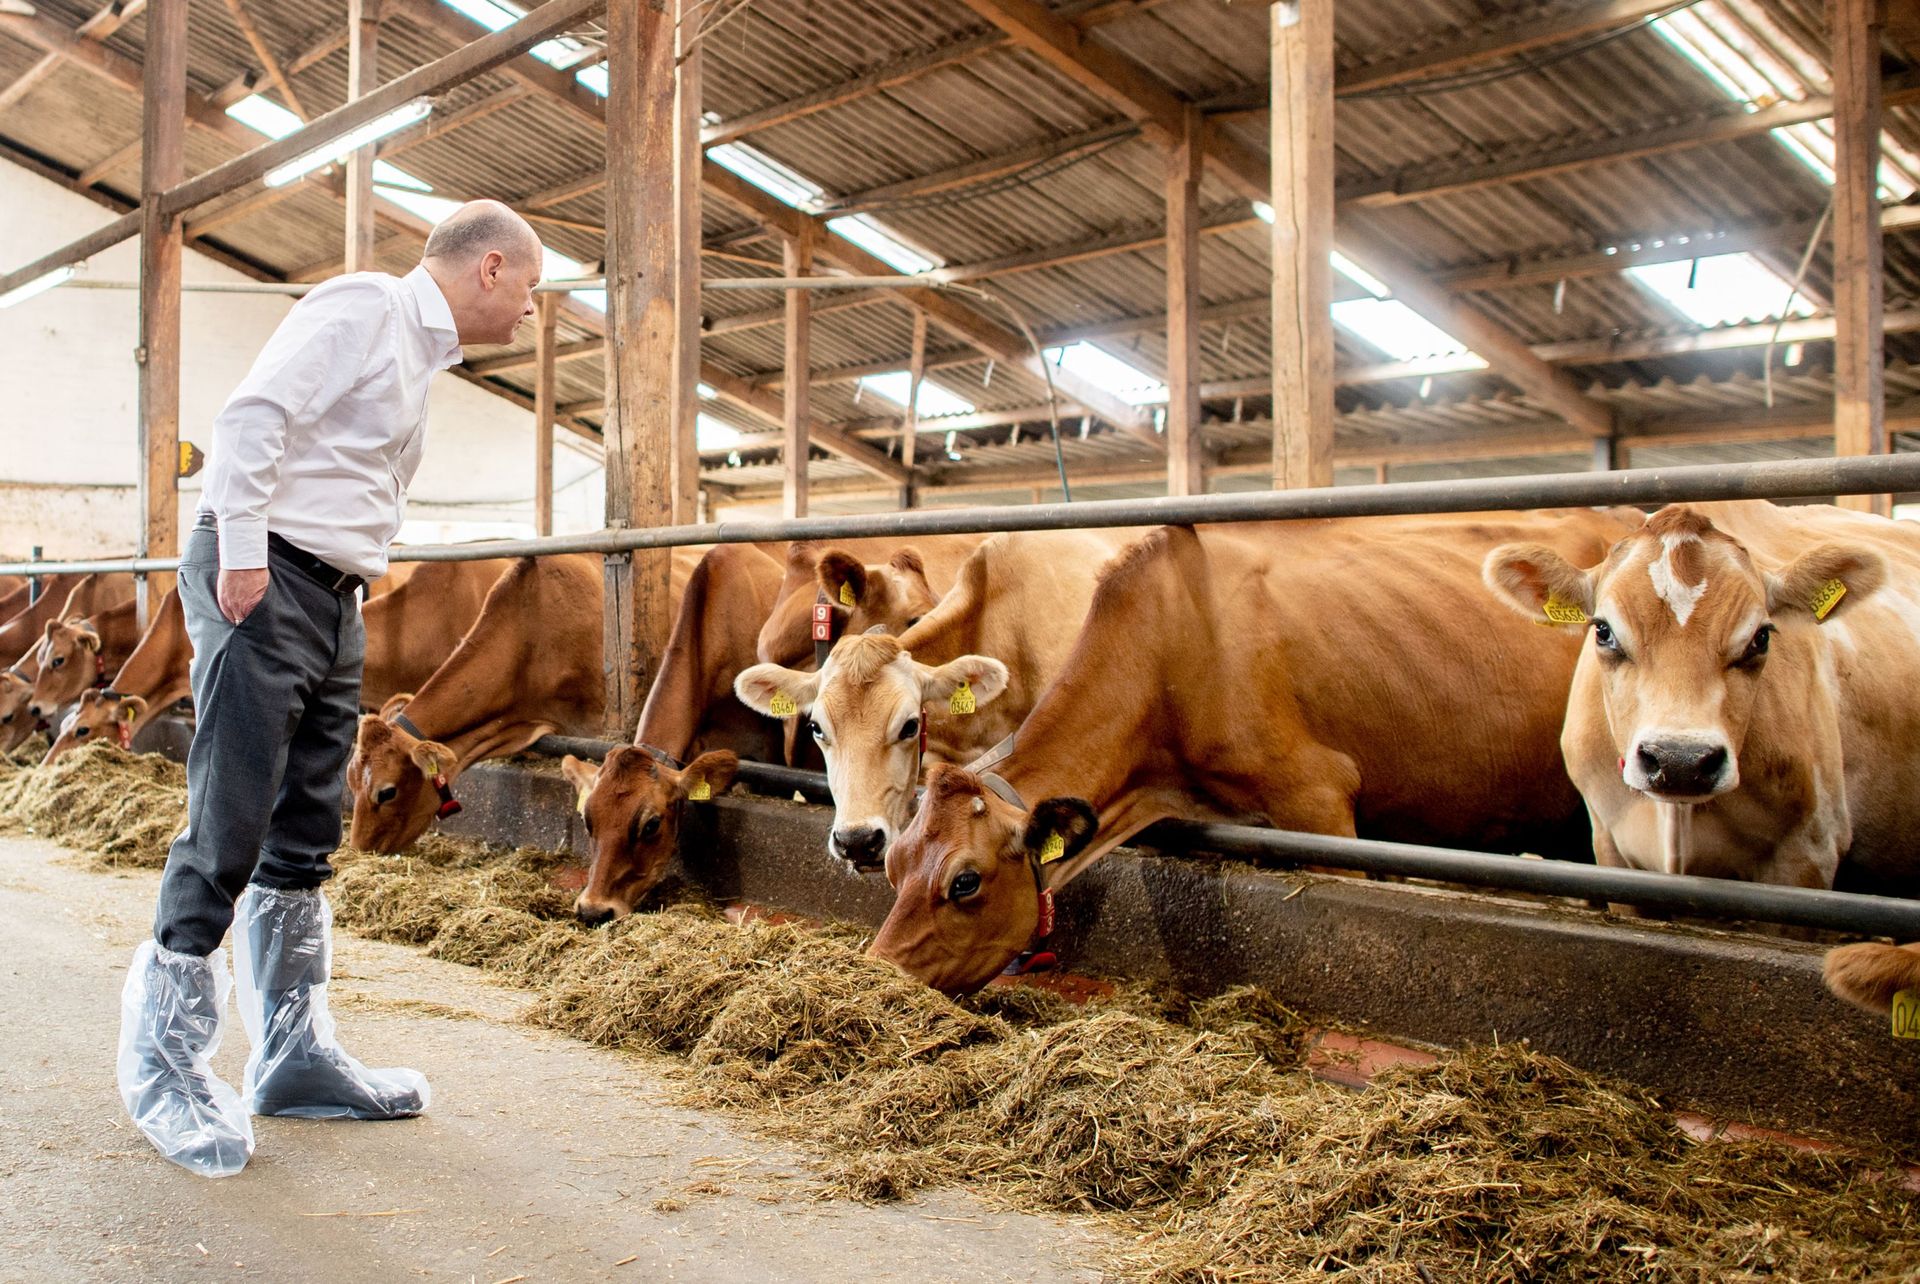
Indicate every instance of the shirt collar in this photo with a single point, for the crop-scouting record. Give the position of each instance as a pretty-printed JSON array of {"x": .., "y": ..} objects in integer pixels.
[{"x": 435, "y": 315}]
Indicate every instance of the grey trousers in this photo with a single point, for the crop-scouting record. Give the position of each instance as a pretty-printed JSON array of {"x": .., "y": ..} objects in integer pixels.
[{"x": 276, "y": 700}]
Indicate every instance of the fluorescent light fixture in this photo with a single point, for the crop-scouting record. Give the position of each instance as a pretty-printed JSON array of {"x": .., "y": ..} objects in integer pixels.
[
  {"x": 341, "y": 148},
  {"x": 39, "y": 285},
  {"x": 934, "y": 400},
  {"x": 1722, "y": 289}
]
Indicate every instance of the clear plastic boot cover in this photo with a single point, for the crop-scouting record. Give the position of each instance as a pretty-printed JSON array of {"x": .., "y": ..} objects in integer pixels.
[{"x": 171, "y": 1014}]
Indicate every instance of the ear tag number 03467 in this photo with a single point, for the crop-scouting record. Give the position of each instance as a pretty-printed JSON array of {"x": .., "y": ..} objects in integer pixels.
[
  {"x": 782, "y": 705},
  {"x": 962, "y": 701},
  {"x": 1826, "y": 597}
]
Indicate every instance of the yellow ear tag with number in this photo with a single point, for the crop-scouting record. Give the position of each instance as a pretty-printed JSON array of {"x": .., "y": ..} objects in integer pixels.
[
  {"x": 1053, "y": 849},
  {"x": 846, "y": 595},
  {"x": 962, "y": 701},
  {"x": 580, "y": 801},
  {"x": 1906, "y": 1014},
  {"x": 701, "y": 791},
  {"x": 1563, "y": 612},
  {"x": 782, "y": 705},
  {"x": 1826, "y": 597}
]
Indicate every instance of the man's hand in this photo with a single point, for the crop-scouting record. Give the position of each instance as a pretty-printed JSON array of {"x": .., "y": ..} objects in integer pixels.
[{"x": 241, "y": 591}]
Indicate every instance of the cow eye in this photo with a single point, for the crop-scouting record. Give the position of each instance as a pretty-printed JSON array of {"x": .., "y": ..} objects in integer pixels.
[
  {"x": 650, "y": 830},
  {"x": 911, "y": 730},
  {"x": 385, "y": 794},
  {"x": 966, "y": 883},
  {"x": 1757, "y": 648},
  {"x": 912, "y": 620},
  {"x": 815, "y": 730},
  {"x": 82, "y": 731},
  {"x": 1603, "y": 637},
  {"x": 4, "y": 721},
  {"x": 59, "y": 660}
]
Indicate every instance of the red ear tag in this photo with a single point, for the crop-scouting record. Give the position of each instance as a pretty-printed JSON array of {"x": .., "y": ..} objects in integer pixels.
[
  {"x": 1044, "y": 927},
  {"x": 123, "y": 730},
  {"x": 449, "y": 805}
]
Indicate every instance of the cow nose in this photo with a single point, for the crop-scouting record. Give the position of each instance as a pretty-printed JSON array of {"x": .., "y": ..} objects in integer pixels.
[
  {"x": 594, "y": 915},
  {"x": 861, "y": 845},
  {"x": 35, "y": 712},
  {"x": 1685, "y": 767}
]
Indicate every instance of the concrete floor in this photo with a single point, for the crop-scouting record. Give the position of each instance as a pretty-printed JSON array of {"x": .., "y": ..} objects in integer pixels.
[{"x": 541, "y": 1159}]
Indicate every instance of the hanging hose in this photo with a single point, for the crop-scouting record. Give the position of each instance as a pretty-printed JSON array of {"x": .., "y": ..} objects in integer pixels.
[
  {"x": 1046, "y": 372},
  {"x": 1793, "y": 292}
]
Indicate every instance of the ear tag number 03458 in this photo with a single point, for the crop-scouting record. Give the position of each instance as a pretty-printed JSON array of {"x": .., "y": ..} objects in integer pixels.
[{"x": 962, "y": 701}]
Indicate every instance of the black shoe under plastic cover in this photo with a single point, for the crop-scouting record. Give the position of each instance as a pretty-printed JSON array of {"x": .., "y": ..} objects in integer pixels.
[{"x": 171, "y": 1014}]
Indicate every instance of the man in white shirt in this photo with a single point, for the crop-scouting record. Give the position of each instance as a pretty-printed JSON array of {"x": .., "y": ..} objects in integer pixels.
[{"x": 304, "y": 489}]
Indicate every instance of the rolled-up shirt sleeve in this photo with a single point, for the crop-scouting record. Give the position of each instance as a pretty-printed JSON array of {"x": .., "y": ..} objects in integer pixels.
[{"x": 315, "y": 357}]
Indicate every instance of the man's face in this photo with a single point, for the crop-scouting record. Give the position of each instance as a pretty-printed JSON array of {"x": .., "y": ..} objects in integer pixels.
[{"x": 505, "y": 296}]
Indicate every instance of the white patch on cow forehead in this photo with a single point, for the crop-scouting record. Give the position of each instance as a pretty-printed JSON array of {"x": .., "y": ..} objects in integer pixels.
[{"x": 1680, "y": 598}]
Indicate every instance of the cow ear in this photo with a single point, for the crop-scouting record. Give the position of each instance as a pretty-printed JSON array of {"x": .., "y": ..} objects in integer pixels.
[
  {"x": 907, "y": 561},
  {"x": 1539, "y": 583},
  {"x": 1826, "y": 579},
  {"x": 51, "y": 626},
  {"x": 710, "y": 775},
  {"x": 87, "y": 636},
  {"x": 583, "y": 776},
  {"x": 842, "y": 578},
  {"x": 432, "y": 757},
  {"x": 1058, "y": 828},
  {"x": 982, "y": 677},
  {"x": 775, "y": 690},
  {"x": 394, "y": 704},
  {"x": 132, "y": 709}
]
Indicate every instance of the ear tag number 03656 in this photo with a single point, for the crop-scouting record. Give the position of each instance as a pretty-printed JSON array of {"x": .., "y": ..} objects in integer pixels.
[
  {"x": 1561, "y": 612},
  {"x": 962, "y": 701},
  {"x": 1826, "y": 597}
]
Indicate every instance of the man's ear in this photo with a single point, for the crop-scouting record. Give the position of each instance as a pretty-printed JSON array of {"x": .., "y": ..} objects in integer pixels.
[
  {"x": 432, "y": 757},
  {"x": 1059, "y": 828},
  {"x": 984, "y": 677},
  {"x": 582, "y": 776},
  {"x": 1826, "y": 579},
  {"x": 710, "y": 775},
  {"x": 1539, "y": 583},
  {"x": 775, "y": 690},
  {"x": 843, "y": 578}
]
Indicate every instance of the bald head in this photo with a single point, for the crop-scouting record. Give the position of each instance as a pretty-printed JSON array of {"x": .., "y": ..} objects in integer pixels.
[{"x": 486, "y": 260}]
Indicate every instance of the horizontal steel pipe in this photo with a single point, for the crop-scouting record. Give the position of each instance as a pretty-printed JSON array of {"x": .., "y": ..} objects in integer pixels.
[{"x": 765, "y": 777}]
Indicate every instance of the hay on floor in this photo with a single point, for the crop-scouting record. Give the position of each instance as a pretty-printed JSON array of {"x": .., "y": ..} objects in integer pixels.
[{"x": 117, "y": 809}]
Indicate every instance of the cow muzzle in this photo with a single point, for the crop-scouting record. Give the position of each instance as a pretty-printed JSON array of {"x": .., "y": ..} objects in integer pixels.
[
  {"x": 1681, "y": 768},
  {"x": 862, "y": 846}
]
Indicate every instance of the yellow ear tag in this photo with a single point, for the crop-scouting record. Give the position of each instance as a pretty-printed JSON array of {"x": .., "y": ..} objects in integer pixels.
[
  {"x": 1906, "y": 1014},
  {"x": 1561, "y": 612},
  {"x": 1825, "y": 598},
  {"x": 126, "y": 713},
  {"x": 701, "y": 791},
  {"x": 782, "y": 705},
  {"x": 962, "y": 701},
  {"x": 846, "y": 595},
  {"x": 580, "y": 801},
  {"x": 1053, "y": 849}
]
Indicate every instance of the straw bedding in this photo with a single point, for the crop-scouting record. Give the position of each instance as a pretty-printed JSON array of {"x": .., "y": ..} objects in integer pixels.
[{"x": 1193, "y": 1124}]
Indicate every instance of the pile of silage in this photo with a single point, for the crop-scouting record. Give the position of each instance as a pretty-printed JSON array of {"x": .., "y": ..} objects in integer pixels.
[
  {"x": 24, "y": 755},
  {"x": 1195, "y": 1124},
  {"x": 118, "y": 809}
]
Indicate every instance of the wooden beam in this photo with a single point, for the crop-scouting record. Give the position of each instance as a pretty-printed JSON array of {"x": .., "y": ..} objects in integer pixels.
[
  {"x": 980, "y": 171},
  {"x": 269, "y": 62},
  {"x": 1126, "y": 241},
  {"x": 363, "y": 76},
  {"x": 641, "y": 330},
  {"x": 1859, "y": 357},
  {"x": 1550, "y": 26},
  {"x": 575, "y": 351},
  {"x": 557, "y": 83},
  {"x": 28, "y": 79},
  {"x": 772, "y": 409},
  {"x": 894, "y": 73},
  {"x": 546, "y": 317},
  {"x": 1186, "y": 459},
  {"x": 105, "y": 166},
  {"x": 163, "y": 162},
  {"x": 1302, "y": 200},
  {"x": 797, "y": 260},
  {"x": 686, "y": 250}
]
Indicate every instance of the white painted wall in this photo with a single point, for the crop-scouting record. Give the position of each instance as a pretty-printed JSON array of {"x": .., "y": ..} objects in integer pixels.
[{"x": 68, "y": 394}]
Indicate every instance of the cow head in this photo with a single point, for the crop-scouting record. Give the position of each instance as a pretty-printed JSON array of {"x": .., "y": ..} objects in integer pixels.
[
  {"x": 1682, "y": 625},
  {"x": 69, "y": 656},
  {"x": 865, "y": 710},
  {"x": 890, "y": 596},
  {"x": 966, "y": 876},
  {"x": 16, "y": 724},
  {"x": 632, "y": 805},
  {"x": 392, "y": 778},
  {"x": 101, "y": 715}
]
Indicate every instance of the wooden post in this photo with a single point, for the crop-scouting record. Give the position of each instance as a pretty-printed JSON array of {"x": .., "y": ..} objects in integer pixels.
[
  {"x": 163, "y": 128},
  {"x": 910, "y": 426},
  {"x": 688, "y": 159},
  {"x": 1859, "y": 392},
  {"x": 547, "y": 313},
  {"x": 797, "y": 258},
  {"x": 640, "y": 329},
  {"x": 1302, "y": 199},
  {"x": 363, "y": 76},
  {"x": 1186, "y": 458}
]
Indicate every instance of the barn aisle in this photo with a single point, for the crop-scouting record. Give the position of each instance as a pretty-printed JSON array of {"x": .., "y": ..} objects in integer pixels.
[{"x": 543, "y": 1158}]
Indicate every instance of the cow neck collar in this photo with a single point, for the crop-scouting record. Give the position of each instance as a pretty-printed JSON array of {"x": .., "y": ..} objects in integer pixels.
[
  {"x": 99, "y": 669},
  {"x": 826, "y": 629},
  {"x": 408, "y": 725},
  {"x": 659, "y": 755}
]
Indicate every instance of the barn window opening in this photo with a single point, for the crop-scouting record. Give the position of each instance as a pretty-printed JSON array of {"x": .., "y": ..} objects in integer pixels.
[
  {"x": 933, "y": 400},
  {"x": 1723, "y": 289},
  {"x": 1109, "y": 373}
]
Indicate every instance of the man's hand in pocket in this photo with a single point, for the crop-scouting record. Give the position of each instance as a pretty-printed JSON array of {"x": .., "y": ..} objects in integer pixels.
[{"x": 241, "y": 591}]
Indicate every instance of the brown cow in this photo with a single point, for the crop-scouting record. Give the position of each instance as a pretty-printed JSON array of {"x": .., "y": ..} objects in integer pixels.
[
  {"x": 413, "y": 627},
  {"x": 15, "y": 726},
  {"x": 65, "y": 596},
  {"x": 1870, "y": 974},
  {"x": 1327, "y": 676},
  {"x": 79, "y": 652},
  {"x": 529, "y": 666},
  {"x": 1743, "y": 709},
  {"x": 152, "y": 678},
  {"x": 1003, "y": 631}
]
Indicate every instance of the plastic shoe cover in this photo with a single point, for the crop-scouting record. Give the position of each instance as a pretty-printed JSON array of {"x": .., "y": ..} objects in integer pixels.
[
  {"x": 170, "y": 1021},
  {"x": 283, "y": 952}
]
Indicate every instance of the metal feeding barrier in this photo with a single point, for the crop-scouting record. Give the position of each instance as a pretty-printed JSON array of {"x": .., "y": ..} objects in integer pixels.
[{"x": 1720, "y": 898}]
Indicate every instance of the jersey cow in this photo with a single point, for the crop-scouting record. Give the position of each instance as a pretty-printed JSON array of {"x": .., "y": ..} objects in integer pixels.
[
  {"x": 948, "y": 688},
  {"x": 1740, "y": 709},
  {"x": 632, "y": 803},
  {"x": 1337, "y": 677},
  {"x": 77, "y": 596}
]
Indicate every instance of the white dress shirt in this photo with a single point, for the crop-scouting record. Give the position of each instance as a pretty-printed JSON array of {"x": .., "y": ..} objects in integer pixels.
[{"x": 320, "y": 440}]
